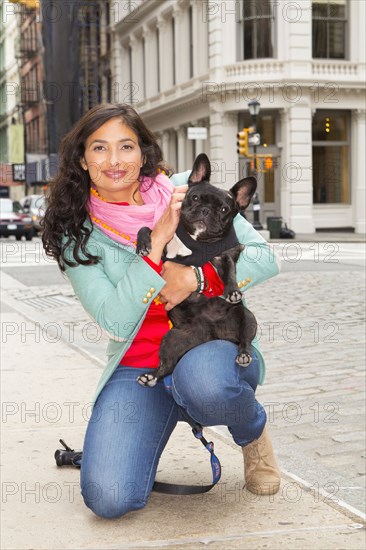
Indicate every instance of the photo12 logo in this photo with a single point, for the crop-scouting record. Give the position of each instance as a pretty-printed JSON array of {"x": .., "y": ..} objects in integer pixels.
[{"x": 235, "y": 10}]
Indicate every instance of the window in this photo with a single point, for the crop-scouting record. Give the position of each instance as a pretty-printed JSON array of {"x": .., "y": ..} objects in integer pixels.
[
  {"x": 331, "y": 157},
  {"x": 265, "y": 126},
  {"x": 329, "y": 29},
  {"x": 33, "y": 137},
  {"x": 30, "y": 86},
  {"x": 29, "y": 39},
  {"x": 258, "y": 29}
]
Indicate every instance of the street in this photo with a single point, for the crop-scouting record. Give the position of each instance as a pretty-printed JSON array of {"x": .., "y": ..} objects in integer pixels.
[{"x": 311, "y": 327}]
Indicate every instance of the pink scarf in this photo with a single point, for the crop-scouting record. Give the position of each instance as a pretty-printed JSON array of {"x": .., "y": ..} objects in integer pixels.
[{"x": 127, "y": 220}]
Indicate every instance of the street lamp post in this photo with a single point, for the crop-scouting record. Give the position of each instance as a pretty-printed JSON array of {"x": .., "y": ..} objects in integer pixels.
[{"x": 254, "y": 108}]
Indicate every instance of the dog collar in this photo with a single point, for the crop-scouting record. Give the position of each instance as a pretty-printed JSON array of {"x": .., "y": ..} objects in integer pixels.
[{"x": 203, "y": 252}]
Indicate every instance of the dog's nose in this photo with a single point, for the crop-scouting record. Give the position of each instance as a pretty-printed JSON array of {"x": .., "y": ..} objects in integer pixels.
[{"x": 205, "y": 211}]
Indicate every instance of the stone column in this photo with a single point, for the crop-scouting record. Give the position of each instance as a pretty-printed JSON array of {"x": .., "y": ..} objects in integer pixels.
[
  {"x": 165, "y": 145},
  {"x": 180, "y": 14},
  {"x": 119, "y": 60},
  {"x": 216, "y": 141},
  {"x": 229, "y": 168},
  {"x": 200, "y": 37},
  {"x": 177, "y": 15},
  {"x": 298, "y": 172},
  {"x": 182, "y": 137},
  {"x": 358, "y": 170},
  {"x": 284, "y": 162},
  {"x": 151, "y": 77},
  {"x": 165, "y": 52},
  {"x": 223, "y": 156},
  {"x": 136, "y": 86},
  {"x": 145, "y": 41}
]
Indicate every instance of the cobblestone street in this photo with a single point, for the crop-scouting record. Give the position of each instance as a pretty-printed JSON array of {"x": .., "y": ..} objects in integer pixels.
[{"x": 313, "y": 338}]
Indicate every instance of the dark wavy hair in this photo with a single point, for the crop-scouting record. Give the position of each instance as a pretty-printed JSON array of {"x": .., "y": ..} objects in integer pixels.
[{"x": 68, "y": 194}]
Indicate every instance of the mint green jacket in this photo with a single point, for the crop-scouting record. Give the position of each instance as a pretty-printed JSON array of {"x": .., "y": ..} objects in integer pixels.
[{"x": 118, "y": 291}]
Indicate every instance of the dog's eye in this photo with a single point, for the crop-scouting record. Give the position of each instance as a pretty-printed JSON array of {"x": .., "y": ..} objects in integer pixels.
[
  {"x": 194, "y": 197},
  {"x": 224, "y": 209}
]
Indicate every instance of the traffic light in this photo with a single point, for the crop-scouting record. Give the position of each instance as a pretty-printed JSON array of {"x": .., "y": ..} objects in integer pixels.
[
  {"x": 268, "y": 163},
  {"x": 242, "y": 142},
  {"x": 255, "y": 165}
]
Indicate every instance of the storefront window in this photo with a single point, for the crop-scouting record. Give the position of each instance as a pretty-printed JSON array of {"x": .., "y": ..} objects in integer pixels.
[
  {"x": 266, "y": 126},
  {"x": 331, "y": 157},
  {"x": 267, "y": 130}
]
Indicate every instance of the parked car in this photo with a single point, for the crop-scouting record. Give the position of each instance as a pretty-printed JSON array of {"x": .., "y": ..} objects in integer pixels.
[
  {"x": 15, "y": 221},
  {"x": 34, "y": 205}
]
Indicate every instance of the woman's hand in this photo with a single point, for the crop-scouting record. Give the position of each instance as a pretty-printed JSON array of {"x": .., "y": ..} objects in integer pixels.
[
  {"x": 180, "y": 283},
  {"x": 165, "y": 227}
]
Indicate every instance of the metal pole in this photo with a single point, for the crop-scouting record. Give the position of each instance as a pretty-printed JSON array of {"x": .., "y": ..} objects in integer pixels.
[
  {"x": 256, "y": 202},
  {"x": 25, "y": 149}
]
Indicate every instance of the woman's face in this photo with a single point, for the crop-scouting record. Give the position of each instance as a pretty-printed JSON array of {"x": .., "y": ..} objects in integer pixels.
[{"x": 113, "y": 159}]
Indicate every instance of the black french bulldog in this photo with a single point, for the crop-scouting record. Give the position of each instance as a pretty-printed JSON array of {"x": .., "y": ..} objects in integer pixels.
[{"x": 206, "y": 233}]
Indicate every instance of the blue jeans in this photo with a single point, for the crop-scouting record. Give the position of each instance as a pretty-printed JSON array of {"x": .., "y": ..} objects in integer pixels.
[{"x": 131, "y": 424}]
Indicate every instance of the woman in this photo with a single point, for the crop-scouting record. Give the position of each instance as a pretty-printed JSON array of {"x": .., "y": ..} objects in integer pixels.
[{"x": 109, "y": 185}]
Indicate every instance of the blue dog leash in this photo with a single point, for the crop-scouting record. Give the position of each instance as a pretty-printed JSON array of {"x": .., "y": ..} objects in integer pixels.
[{"x": 170, "y": 488}]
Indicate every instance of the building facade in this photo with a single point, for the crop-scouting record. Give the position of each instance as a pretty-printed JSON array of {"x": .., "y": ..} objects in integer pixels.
[
  {"x": 55, "y": 59},
  {"x": 186, "y": 63},
  {"x": 11, "y": 122},
  {"x": 76, "y": 58},
  {"x": 33, "y": 102}
]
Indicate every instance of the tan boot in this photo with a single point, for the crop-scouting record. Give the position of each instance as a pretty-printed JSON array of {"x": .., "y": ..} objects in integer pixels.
[{"x": 262, "y": 475}]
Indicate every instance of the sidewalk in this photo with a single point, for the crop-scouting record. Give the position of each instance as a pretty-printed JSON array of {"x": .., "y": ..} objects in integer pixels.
[{"x": 46, "y": 388}]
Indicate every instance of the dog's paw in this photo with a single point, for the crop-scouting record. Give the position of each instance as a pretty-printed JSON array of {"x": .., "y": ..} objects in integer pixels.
[
  {"x": 244, "y": 359},
  {"x": 143, "y": 249},
  {"x": 147, "y": 380},
  {"x": 233, "y": 297},
  {"x": 143, "y": 246}
]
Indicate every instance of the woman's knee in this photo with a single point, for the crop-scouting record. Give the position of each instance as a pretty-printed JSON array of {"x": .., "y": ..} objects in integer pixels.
[
  {"x": 214, "y": 392},
  {"x": 205, "y": 377},
  {"x": 209, "y": 372},
  {"x": 110, "y": 502}
]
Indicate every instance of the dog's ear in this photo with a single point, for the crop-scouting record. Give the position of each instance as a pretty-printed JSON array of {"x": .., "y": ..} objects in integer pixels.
[
  {"x": 201, "y": 170},
  {"x": 244, "y": 190}
]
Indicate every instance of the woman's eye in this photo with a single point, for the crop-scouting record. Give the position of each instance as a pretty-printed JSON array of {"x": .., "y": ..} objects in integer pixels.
[
  {"x": 124, "y": 147},
  {"x": 99, "y": 148}
]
